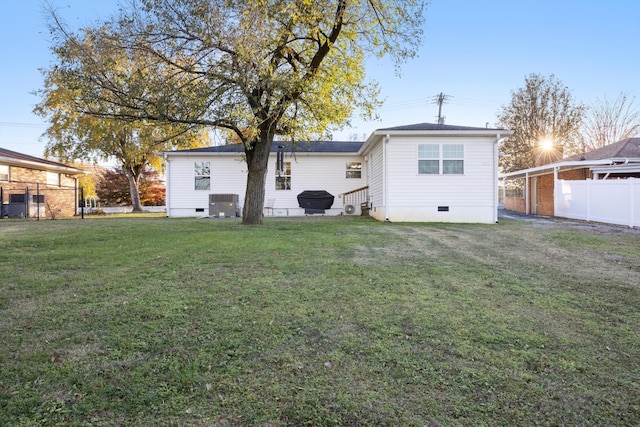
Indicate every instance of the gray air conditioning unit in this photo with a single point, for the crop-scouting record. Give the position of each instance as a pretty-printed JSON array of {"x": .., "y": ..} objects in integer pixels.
[
  {"x": 224, "y": 205},
  {"x": 349, "y": 210},
  {"x": 17, "y": 208}
]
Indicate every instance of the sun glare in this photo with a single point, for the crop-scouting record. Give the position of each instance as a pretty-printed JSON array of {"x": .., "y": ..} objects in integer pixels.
[{"x": 546, "y": 144}]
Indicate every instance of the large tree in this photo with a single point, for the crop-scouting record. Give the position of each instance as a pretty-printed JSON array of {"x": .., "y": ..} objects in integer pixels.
[
  {"x": 546, "y": 123},
  {"x": 113, "y": 188},
  {"x": 610, "y": 121},
  {"x": 97, "y": 127},
  {"x": 262, "y": 69}
]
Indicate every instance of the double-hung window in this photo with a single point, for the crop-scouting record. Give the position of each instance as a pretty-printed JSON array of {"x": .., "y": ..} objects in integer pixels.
[
  {"x": 429, "y": 159},
  {"x": 202, "y": 171},
  {"x": 452, "y": 159},
  {"x": 53, "y": 178},
  {"x": 354, "y": 170},
  {"x": 440, "y": 159},
  {"x": 283, "y": 177},
  {"x": 4, "y": 172}
]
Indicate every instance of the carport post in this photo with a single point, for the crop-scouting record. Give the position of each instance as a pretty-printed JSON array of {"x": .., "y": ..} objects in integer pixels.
[
  {"x": 556, "y": 190},
  {"x": 526, "y": 193},
  {"x": 82, "y": 202}
]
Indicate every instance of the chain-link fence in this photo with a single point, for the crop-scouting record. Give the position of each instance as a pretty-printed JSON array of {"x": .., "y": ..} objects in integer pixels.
[{"x": 33, "y": 200}]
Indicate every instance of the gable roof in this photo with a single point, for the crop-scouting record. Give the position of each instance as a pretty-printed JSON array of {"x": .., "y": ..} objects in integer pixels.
[
  {"x": 436, "y": 127},
  {"x": 353, "y": 147},
  {"x": 605, "y": 158},
  {"x": 287, "y": 146},
  {"x": 626, "y": 148},
  {"x": 27, "y": 161},
  {"x": 432, "y": 129}
]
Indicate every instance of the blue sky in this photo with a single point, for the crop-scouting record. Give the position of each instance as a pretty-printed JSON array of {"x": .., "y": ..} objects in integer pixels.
[{"x": 475, "y": 51}]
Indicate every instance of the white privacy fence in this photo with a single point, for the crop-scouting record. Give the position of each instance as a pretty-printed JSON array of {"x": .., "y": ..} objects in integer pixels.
[{"x": 609, "y": 201}]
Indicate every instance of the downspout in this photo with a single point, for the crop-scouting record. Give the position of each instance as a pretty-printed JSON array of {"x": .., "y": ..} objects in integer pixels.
[
  {"x": 387, "y": 138},
  {"x": 75, "y": 197},
  {"x": 526, "y": 194},
  {"x": 496, "y": 156},
  {"x": 504, "y": 188},
  {"x": 166, "y": 180}
]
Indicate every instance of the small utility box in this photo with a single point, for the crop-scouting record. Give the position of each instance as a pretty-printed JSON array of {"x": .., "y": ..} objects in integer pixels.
[{"x": 224, "y": 206}]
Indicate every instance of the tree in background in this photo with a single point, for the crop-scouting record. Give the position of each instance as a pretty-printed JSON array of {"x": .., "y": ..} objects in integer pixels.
[
  {"x": 87, "y": 182},
  {"x": 610, "y": 121},
  {"x": 260, "y": 69},
  {"x": 88, "y": 123},
  {"x": 113, "y": 188},
  {"x": 546, "y": 123},
  {"x": 153, "y": 189}
]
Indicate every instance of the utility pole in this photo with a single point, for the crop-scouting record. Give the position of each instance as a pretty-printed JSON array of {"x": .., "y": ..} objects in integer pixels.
[{"x": 440, "y": 99}]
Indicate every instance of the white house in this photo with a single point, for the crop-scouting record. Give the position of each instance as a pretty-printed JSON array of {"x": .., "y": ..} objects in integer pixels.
[
  {"x": 423, "y": 172},
  {"x": 193, "y": 175},
  {"x": 433, "y": 172}
]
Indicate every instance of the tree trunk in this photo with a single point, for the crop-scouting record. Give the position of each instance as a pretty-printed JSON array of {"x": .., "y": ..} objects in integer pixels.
[
  {"x": 257, "y": 162},
  {"x": 134, "y": 189}
]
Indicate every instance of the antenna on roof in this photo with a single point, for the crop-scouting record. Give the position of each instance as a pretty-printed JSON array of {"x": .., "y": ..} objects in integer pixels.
[{"x": 440, "y": 99}]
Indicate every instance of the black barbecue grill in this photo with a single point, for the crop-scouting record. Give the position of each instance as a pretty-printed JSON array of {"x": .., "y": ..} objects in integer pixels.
[{"x": 315, "y": 202}]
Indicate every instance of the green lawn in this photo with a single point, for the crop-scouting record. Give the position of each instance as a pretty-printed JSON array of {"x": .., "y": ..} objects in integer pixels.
[{"x": 317, "y": 321}]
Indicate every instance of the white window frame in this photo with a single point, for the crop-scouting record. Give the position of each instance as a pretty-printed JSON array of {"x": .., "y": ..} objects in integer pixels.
[
  {"x": 452, "y": 154},
  {"x": 354, "y": 170},
  {"x": 202, "y": 174},
  {"x": 4, "y": 173},
  {"x": 443, "y": 159},
  {"x": 428, "y": 157},
  {"x": 283, "y": 178},
  {"x": 53, "y": 179}
]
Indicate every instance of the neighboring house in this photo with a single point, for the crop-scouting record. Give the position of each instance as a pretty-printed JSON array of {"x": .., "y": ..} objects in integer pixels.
[
  {"x": 602, "y": 185},
  {"x": 423, "y": 172},
  {"x": 35, "y": 187}
]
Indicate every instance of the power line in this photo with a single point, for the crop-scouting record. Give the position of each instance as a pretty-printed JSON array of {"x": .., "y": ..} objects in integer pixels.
[
  {"x": 23, "y": 125},
  {"x": 440, "y": 99}
]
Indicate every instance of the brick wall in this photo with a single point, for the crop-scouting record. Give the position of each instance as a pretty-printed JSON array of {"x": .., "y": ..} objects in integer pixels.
[
  {"x": 544, "y": 195},
  {"x": 575, "y": 174},
  {"x": 544, "y": 202},
  {"x": 59, "y": 200},
  {"x": 515, "y": 204}
]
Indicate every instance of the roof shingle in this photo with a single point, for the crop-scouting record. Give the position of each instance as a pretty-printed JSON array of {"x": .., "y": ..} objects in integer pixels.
[
  {"x": 19, "y": 157},
  {"x": 629, "y": 147},
  {"x": 435, "y": 126},
  {"x": 298, "y": 147}
]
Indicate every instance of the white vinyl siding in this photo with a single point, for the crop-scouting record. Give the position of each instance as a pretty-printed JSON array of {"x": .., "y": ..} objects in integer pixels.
[
  {"x": 313, "y": 172},
  {"x": 229, "y": 176},
  {"x": 182, "y": 197},
  {"x": 376, "y": 183},
  {"x": 462, "y": 190},
  {"x": 413, "y": 195}
]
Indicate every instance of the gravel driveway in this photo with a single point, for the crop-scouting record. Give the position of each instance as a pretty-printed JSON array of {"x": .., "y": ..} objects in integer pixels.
[{"x": 564, "y": 223}]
